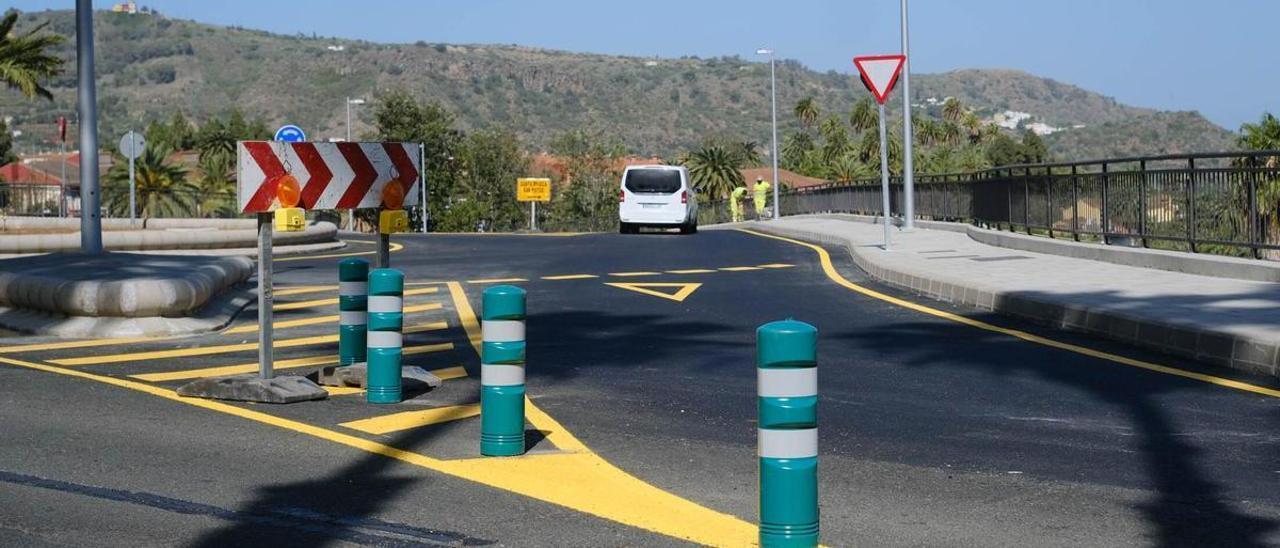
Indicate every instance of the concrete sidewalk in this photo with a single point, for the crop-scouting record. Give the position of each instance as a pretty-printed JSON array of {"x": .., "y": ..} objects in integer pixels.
[{"x": 1224, "y": 321}]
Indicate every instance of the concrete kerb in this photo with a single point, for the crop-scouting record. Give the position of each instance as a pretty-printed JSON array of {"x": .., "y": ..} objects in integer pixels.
[
  {"x": 164, "y": 234},
  {"x": 1164, "y": 335}
]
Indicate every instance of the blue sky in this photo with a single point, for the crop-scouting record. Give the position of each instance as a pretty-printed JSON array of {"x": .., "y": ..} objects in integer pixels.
[{"x": 1215, "y": 57}]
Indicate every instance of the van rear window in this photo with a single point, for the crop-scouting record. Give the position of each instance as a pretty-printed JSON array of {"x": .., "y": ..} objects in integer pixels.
[{"x": 665, "y": 181}]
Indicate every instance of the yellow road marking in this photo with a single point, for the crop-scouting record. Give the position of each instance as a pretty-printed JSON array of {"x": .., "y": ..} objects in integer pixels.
[
  {"x": 39, "y": 347},
  {"x": 396, "y": 422},
  {"x": 253, "y": 328},
  {"x": 570, "y": 277},
  {"x": 334, "y": 300},
  {"x": 222, "y": 349},
  {"x": 447, "y": 373},
  {"x": 777, "y": 265},
  {"x": 740, "y": 268},
  {"x": 286, "y": 291},
  {"x": 497, "y": 281},
  {"x": 394, "y": 247},
  {"x": 342, "y": 390},
  {"x": 310, "y": 361},
  {"x": 685, "y": 289},
  {"x": 692, "y": 271},
  {"x": 632, "y": 274},
  {"x": 834, "y": 275}
]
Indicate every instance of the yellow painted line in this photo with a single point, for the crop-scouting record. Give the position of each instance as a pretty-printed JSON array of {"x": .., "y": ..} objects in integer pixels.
[
  {"x": 633, "y": 274},
  {"x": 777, "y": 265},
  {"x": 394, "y": 247},
  {"x": 62, "y": 345},
  {"x": 579, "y": 481},
  {"x": 571, "y": 277},
  {"x": 740, "y": 268},
  {"x": 221, "y": 349},
  {"x": 311, "y": 361},
  {"x": 448, "y": 373},
  {"x": 253, "y": 328},
  {"x": 834, "y": 275},
  {"x": 286, "y": 291},
  {"x": 692, "y": 271},
  {"x": 342, "y": 390},
  {"x": 334, "y": 300},
  {"x": 396, "y": 422},
  {"x": 682, "y": 290},
  {"x": 366, "y": 242},
  {"x": 497, "y": 281}
]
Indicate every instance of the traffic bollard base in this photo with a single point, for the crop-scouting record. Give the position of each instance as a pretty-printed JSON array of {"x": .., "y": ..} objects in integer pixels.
[
  {"x": 502, "y": 421},
  {"x": 789, "y": 502}
]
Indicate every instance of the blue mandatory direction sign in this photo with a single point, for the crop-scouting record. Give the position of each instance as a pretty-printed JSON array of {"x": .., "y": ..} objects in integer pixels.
[{"x": 290, "y": 134}]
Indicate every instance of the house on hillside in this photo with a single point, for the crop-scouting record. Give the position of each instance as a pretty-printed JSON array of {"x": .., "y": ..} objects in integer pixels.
[{"x": 31, "y": 185}]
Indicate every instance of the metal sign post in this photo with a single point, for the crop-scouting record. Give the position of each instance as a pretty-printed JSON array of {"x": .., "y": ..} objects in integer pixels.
[
  {"x": 265, "y": 300},
  {"x": 422, "y": 184},
  {"x": 879, "y": 74},
  {"x": 131, "y": 146},
  {"x": 533, "y": 216},
  {"x": 884, "y": 178},
  {"x": 533, "y": 190}
]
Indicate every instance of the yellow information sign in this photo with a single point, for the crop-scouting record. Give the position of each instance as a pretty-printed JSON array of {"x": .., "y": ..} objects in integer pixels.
[{"x": 533, "y": 189}]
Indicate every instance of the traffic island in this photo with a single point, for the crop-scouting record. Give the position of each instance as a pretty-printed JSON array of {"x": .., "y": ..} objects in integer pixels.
[
  {"x": 254, "y": 388},
  {"x": 121, "y": 294}
]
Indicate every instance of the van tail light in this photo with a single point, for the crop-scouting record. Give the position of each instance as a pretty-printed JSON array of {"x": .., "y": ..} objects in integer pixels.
[
  {"x": 622, "y": 196},
  {"x": 684, "y": 196}
]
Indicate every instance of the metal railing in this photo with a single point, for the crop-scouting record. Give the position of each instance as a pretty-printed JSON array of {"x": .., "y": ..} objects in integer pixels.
[
  {"x": 1224, "y": 203},
  {"x": 41, "y": 200}
]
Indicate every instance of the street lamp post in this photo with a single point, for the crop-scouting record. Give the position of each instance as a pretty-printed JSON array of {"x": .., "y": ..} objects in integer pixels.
[
  {"x": 773, "y": 99},
  {"x": 90, "y": 214},
  {"x": 908, "y": 178},
  {"x": 351, "y": 214}
]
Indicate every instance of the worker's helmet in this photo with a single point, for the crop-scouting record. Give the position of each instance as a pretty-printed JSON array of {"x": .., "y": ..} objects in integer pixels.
[{"x": 759, "y": 178}]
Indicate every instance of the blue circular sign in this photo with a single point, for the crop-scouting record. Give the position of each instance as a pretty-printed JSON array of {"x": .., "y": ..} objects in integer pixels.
[{"x": 290, "y": 134}]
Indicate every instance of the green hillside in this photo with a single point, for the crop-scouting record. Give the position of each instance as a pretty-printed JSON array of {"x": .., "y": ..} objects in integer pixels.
[{"x": 151, "y": 66}]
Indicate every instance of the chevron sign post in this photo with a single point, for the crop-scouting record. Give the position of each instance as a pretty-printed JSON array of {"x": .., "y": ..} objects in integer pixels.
[{"x": 330, "y": 175}]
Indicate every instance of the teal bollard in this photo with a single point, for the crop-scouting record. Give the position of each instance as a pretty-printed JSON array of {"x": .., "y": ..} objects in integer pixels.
[
  {"x": 386, "y": 322},
  {"x": 502, "y": 372},
  {"x": 353, "y": 315},
  {"x": 787, "y": 379}
]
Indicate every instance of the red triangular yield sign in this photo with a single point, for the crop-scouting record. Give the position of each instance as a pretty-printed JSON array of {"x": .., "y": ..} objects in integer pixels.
[{"x": 880, "y": 72}]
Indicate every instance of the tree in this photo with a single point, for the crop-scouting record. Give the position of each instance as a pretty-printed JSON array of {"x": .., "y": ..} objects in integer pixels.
[
  {"x": 849, "y": 168},
  {"x": 24, "y": 58},
  {"x": 491, "y": 161},
  {"x": 864, "y": 116},
  {"x": 794, "y": 149},
  {"x": 1034, "y": 150},
  {"x": 216, "y": 187},
  {"x": 215, "y": 138},
  {"x": 807, "y": 112},
  {"x": 399, "y": 116},
  {"x": 953, "y": 110},
  {"x": 1264, "y": 135},
  {"x": 6, "y": 145},
  {"x": 588, "y": 199},
  {"x": 714, "y": 172},
  {"x": 162, "y": 186}
]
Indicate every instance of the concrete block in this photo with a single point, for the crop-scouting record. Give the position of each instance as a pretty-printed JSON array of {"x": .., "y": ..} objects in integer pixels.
[
  {"x": 252, "y": 388},
  {"x": 1258, "y": 357},
  {"x": 1215, "y": 348},
  {"x": 356, "y": 375}
]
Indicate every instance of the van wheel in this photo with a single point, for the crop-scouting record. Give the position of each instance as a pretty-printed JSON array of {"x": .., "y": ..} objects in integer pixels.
[
  {"x": 688, "y": 228},
  {"x": 626, "y": 228}
]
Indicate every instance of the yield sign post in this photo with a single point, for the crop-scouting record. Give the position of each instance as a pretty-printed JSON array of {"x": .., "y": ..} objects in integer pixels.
[{"x": 879, "y": 74}]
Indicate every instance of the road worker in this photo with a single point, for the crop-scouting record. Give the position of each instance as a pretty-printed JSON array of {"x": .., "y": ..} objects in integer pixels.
[
  {"x": 761, "y": 194},
  {"x": 736, "y": 199}
]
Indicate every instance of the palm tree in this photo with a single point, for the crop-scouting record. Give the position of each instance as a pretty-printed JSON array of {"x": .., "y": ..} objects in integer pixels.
[
  {"x": 953, "y": 110},
  {"x": 748, "y": 153},
  {"x": 162, "y": 186},
  {"x": 973, "y": 127},
  {"x": 949, "y": 132},
  {"x": 864, "y": 116},
  {"x": 215, "y": 137},
  {"x": 714, "y": 171},
  {"x": 216, "y": 187},
  {"x": 24, "y": 61},
  {"x": 1264, "y": 135},
  {"x": 794, "y": 148},
  {"x": 807, "y": 112},
  {"x": 849, "y": 168}
]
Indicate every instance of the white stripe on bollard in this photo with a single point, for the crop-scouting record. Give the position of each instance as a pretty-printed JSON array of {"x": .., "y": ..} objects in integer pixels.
[
  {"x": 353, "y": 288},
  {"x": 787, "y": 383},
  {"x": 385, "y": 303},
  {"x": 502, "y": 330},
  {"x": 788, "y": 444},
  {"x": 501, "y": 375},
  {"x": 384, "y": 339},
  {"x": 353, "y": 317}
]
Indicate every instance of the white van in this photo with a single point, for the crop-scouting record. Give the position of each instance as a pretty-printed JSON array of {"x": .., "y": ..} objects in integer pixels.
[{"x": 657, "y": 196}]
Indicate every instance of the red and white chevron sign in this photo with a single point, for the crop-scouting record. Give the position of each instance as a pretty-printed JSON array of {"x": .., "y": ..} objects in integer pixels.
[{"x": 330, "y": 175}]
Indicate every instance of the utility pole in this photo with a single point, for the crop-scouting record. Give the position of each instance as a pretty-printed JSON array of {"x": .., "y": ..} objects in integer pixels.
[
  {"x": 908, "y": 178},
  {"x": 90, "y": 212},
  {"x": 773, "y": 99}
]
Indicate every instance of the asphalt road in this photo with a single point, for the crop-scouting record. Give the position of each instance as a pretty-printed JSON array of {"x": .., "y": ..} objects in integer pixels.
[{"x": 933, "y": 433}]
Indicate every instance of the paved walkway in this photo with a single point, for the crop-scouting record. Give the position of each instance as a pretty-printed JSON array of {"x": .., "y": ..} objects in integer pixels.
[{"x": 1223, "y": 321}]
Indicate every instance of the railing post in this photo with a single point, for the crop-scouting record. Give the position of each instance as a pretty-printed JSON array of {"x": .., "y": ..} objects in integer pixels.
[
  {"x": 1075, "y": 204},
  {"x": 787, "y": 435},
  {"x": 1026, "y": 200},
  {"x": 1106, "y": 219},
  {"x": 1253, "y": 207},
  {"x": 1008, "y": 191},
  {"x": 1048, "y": 199},
  {"x": 1191, "y": 203},
  {"x": 1142, "y": 202}
]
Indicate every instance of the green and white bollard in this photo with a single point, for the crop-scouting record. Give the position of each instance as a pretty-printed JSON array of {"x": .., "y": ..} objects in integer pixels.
[
  {"x": 502, "y": 372},
  {"x": 386, "y": 320},
  {"x": 787, "y": 377},
  {"x": 353, "y": 300}
]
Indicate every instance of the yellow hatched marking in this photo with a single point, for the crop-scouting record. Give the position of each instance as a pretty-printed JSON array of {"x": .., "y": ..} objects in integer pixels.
[
  {"x": 633, "y": 274},
  {"x": 777, "y": 265},
  {"x": 834, "y": 275},
  {"x": 396, "y": 422},
  {"x": 334, "y": 300},
  {"x": 394, "y": 247},
  {"x": 286, "y": 291},
  {"x": 683, "y": 290},
  {"x": 692, "y": 271},
  {"x": 312, "y": 361},
  {"x": 253, "y": 328},
  {"x": 448, "y": 373},
  {"x": 740, "y": 268},
  {"x": 222, "y": 349},
  {"x": 62, "y": 345},
  {"x": 342, "y": 390},
  {"x": 571, "y": 277},
  {"x": 497, "y": 281}
]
